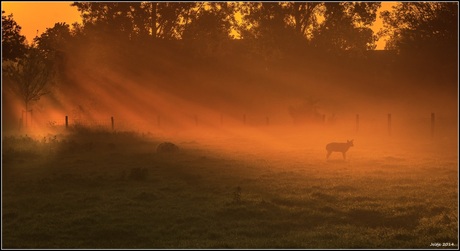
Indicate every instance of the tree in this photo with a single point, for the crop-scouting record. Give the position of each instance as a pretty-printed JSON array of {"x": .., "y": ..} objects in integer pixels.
[
  {"x": 29, "y": 77},
  {"x": 109, "y": 17},
  {"x": 280, "y": 19},
  {"x": 54, "y": 44},
  {"x": 335, "y": 27},
  {"x": 174, "y": 17},
  {"x": 54, "y": 39},
  {"x": 425, "y": 35},
  {"x": 346, "y": 26},
  {"x": 13, "y": 43},
  {"x": 421, "y": 26},
  {"x": 304, "y": 17},
  {"x": 264, "y": 26},
  {"x": 209, "y": 30},
  {"x": 164, "y": 20}
]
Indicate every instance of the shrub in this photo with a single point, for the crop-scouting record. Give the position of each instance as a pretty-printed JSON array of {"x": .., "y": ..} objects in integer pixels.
[{"x": 167, "y": 147}]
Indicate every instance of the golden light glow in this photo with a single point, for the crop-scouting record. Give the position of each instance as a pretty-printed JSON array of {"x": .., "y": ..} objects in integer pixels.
[
  {"x": 379, "y": 23},
  {"x": 35, "y": 17},
  {"x": 83, "y": 167},
  {"x": 148, "y": 101}
]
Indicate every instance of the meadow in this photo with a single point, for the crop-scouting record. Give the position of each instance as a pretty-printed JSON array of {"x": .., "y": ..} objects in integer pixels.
[{"x": 102, "y": 189}]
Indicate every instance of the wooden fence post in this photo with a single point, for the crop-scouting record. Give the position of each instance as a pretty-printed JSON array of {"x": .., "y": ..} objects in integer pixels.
[
  {"x": 27, "y": 122},
  {"x": 66, "y": 122},
  {"x": 113, "y": 127},
  {"x": 389, "y": 124},
  {"x": 432, "y": 125},
  {"x": 22, "y": 116}
]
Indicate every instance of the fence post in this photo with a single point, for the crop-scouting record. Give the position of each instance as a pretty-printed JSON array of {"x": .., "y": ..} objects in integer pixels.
[
  {"x": 66, "y": 122},
  {"x": 357, "y": 122},
  {"x": 22, "y": 119},
  {"x": 27, "y": 122},
  {"x": 389, "y": 124},
  {"x": 432, "y": 125},
  {"x": 111, "y": 118}
]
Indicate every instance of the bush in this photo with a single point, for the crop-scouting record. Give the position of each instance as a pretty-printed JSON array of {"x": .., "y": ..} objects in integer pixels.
[{"x": 167, "y": 147}]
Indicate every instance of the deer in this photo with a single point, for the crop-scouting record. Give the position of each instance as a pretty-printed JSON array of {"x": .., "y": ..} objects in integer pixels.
[{"x": 338, "y": 147}]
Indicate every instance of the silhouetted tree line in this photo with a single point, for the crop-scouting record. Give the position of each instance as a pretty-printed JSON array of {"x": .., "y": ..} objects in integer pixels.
[
  {"x": 267, "y": 31},
  {"x": 13, "y": 43}
]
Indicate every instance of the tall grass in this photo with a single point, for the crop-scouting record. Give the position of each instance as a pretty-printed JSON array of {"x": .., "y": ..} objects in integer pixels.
[{"x": 81, "y": 192}]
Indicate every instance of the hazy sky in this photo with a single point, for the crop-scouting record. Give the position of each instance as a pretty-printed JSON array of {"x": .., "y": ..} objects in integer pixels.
[{"x": 33, "y": 16}]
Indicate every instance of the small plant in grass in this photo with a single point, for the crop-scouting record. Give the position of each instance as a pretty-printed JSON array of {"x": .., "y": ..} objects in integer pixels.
[
  {"x": 167, "y": 147},
  {"x": 138, "y": 173},
  {"x": 237, "y": 195}
]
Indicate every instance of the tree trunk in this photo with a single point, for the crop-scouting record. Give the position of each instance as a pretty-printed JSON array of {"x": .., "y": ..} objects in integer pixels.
[
  {"x": 27, "y": 110},
  {"x": 153, "y": 20},
  {"x": 298, "y": 25}
]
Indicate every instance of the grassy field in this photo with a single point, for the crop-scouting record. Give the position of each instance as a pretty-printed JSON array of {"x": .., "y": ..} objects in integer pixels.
[{"x": 112, "y": 190}]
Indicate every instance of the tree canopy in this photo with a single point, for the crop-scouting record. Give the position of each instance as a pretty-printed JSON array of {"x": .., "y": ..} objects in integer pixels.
[
  {"x": 30, "y": 76},
  {"x": 270, "y": 26},
  {"x": 422, "y": 26},
  {"x": 326, "y": 26},
  {"x": 346, "y": 26},
  {"x": 13, "y": 43}
]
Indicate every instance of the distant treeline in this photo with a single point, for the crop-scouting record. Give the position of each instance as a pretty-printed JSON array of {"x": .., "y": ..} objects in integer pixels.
[{"x": 271, "y": 27}]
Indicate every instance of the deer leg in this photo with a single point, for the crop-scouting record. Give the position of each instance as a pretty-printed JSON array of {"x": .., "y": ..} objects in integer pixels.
[
  {"x": 344, "y": 155},
  {"x": 328, "y": 154}
]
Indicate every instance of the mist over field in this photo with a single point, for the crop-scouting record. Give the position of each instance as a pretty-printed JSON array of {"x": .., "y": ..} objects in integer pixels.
[
  {"x": 182, "y": 143},
  {"x": 141, "y": 86}
]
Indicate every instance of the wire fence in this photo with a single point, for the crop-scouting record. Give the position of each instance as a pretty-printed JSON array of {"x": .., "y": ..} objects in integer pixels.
[{"x": 429, "y": 125}]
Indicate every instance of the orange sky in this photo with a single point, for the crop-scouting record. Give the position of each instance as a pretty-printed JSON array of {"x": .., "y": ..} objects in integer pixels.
[{"x": 33, "y": 16}]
